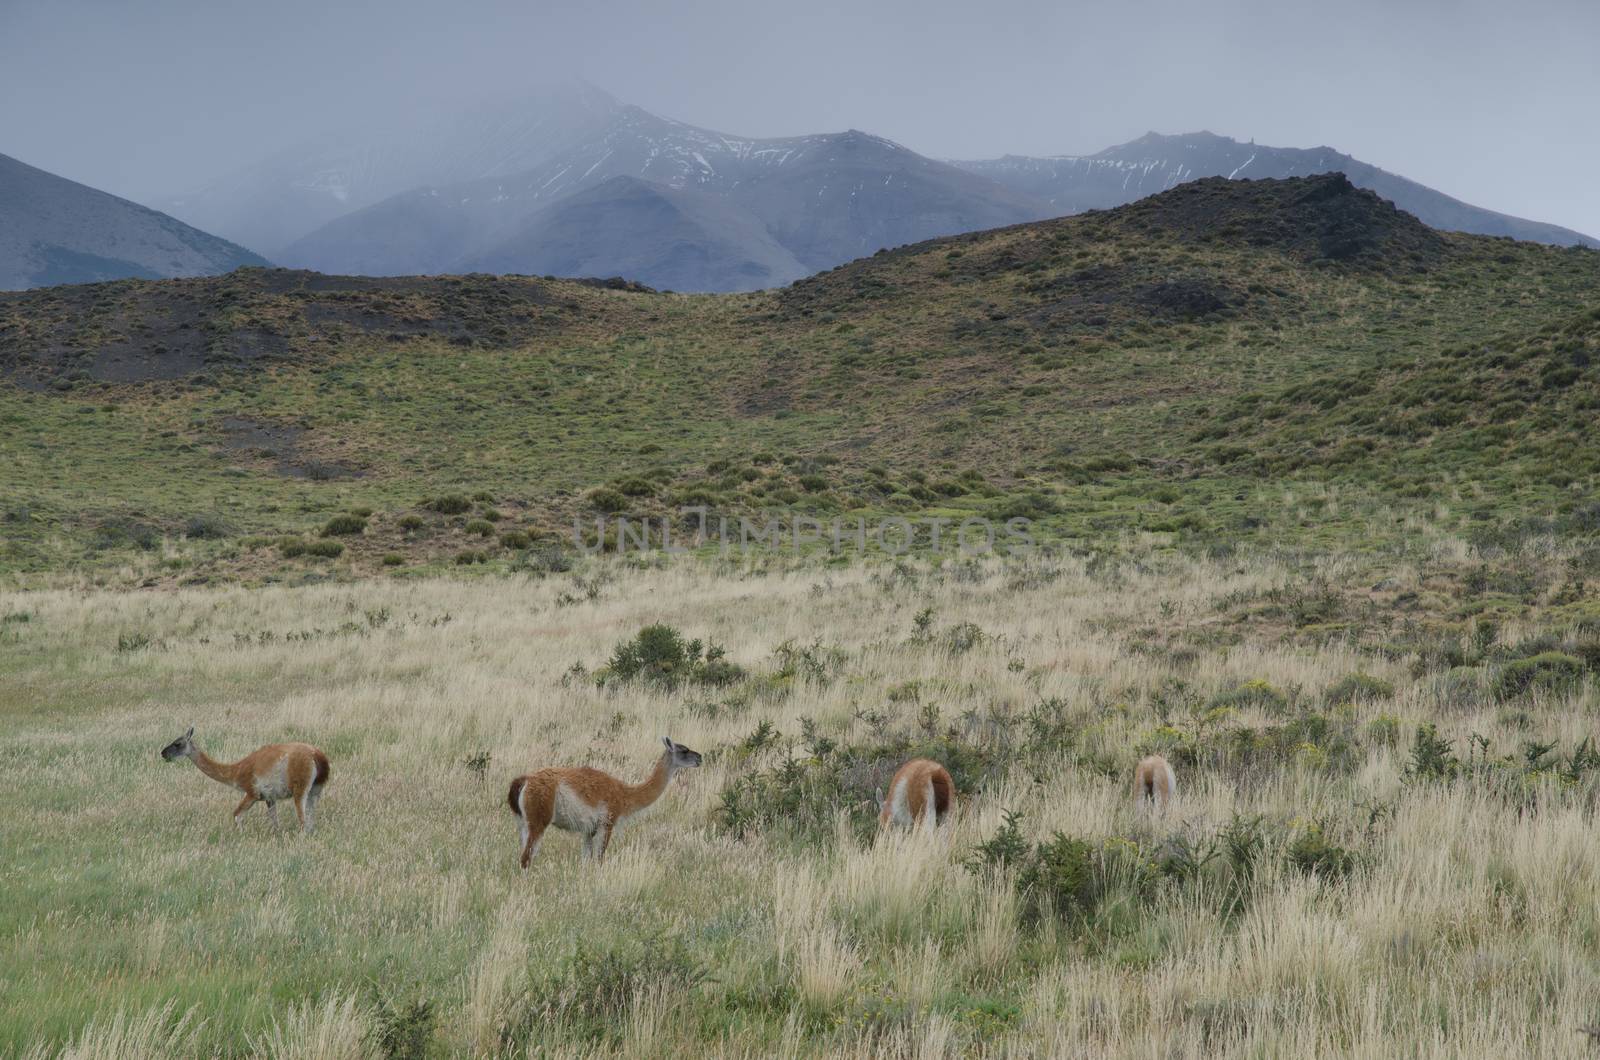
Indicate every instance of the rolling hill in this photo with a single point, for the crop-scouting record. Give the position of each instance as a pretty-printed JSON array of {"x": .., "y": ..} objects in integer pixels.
[
  {"x": 55, "y": 231},
  {"x": 1155, "y": 163},
  {"x": 1197, "y": 363}
]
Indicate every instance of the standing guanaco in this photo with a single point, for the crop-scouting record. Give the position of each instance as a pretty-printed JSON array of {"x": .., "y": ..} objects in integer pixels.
[
  {"x": 921, "y": 793},
  {"x": 1154, "y": 784},
  {"x": 278, "y": 771},
  {"x": 589, "y": 801}
]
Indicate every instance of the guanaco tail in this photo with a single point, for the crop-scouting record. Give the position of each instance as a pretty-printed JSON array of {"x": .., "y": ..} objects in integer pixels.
[
  {"x": 921, "y": 794},
  {"x": 294, "y": 771},
  {"x": 1154, "y": 784},
  {"x": 588, "y": 801}
]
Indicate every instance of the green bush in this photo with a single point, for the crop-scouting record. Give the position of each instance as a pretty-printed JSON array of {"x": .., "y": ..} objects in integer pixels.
[
  {"x": 1314, "y": 854},
  {"x": 448, "y": 504},
  {"x": 1257, "y": 693},
  {"x": 481, "y": 527},
  {"x": 411, "y": 523},
  {"x": 393, "y": 559},
  {"x": 467, "y": 557},
  {"x": 344, "y": 526},
  {"x": 1553, "y": 672},
  {"x": 1359, "y": 688},
  {"x": 291, "y": 547},
  {"x": 515, "y": 539},
  {"x": 658, "y": 654},
  {"x": 206, "y": 527},
  {"x": 606, "y": 501},
  {"x": 324, "y": 549}
]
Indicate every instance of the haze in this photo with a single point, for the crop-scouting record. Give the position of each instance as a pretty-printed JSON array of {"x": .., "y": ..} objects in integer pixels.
[{"x": 1492, "y": 103}]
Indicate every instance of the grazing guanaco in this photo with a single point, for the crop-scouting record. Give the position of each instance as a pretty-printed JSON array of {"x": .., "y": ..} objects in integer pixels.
[
  {"x": 921, "y": 793},
  {"x": 1154, "y": 784},
  {"x": 294, "y": 771},
  {"x": 588, "y": 801}
]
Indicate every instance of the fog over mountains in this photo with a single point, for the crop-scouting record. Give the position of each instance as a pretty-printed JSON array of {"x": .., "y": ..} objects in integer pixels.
[{"x": 571, "y": 181}]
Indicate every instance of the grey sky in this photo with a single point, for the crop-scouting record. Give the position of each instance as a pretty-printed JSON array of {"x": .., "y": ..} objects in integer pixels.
[{"x": 1493, "y": 102}]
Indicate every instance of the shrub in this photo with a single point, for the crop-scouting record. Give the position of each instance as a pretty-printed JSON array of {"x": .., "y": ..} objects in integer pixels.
[
  {"x": 467, "y": 557},
  {"x": 659, "y": 654},
  {"x": 448, "y": 504},
  {"x": 1314, "y": 854},
  {"x": 411, "y": 523},
  {"x": 1359, "y": 688},
  {"x": 636, "y": 487},
  {"x": 361, "y": 512},
  {"x": 492, "y": 515},
  {"x": 1551, "y": 671},
  {"x": 606, "y": 501},
  {"x": 515, "y": 539},
  {"x": 1432, "y": 756},
  {"x": 290, "y": 547},
  {"x": 1269, "y": 698},
  {"x": 481, "y": 527},
  {"x": 344, "y": 526},
  {"x": 393, "y": 559},
  {"x": 206, "y": 527},
  {"x": 324, "y": 549},
  {"x": 1384, "y": 730}
]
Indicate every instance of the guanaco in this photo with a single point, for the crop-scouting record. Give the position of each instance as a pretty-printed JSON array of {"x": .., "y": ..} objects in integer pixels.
[
  {"x": 1154, "y": 784},
  {"x": 271, "y": 774},
  {"x": 921, "y": 793},
  {"x": 588, "y": 801}
]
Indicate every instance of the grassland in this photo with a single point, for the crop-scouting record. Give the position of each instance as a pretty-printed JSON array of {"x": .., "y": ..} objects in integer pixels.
[{"x": 1340, "y": 877}]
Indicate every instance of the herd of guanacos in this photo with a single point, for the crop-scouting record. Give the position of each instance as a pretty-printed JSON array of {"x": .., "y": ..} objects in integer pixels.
[{"x": 590, "y": 802}]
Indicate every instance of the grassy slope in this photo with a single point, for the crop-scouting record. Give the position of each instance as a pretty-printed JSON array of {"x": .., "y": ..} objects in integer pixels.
[
  {"x": 1098, "y": 360},
  {"x": 1463, "y": 925}
]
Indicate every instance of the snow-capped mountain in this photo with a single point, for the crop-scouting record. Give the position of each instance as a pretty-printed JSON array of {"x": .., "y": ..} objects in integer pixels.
[
  {"x": 1155, "y": 163},
  {"x": 822, "y": 199},
  {"x": 53, "y": 230},
  {"x": 269, "y": 204}
]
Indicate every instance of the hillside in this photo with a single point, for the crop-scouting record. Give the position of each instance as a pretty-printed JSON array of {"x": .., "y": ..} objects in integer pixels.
[
  {"x": 1155, "y": 163},
  {"x": 661, "y": 236},
  {"x": 820, "y": 200},
  {"x": 1196, "y": 364},
  {"x": 54, "y": 231}
]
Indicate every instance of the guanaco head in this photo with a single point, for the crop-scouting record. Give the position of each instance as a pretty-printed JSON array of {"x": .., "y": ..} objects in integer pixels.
[
  {"x": 179, "y": 748},
  {"x": 681, "y": 756}
]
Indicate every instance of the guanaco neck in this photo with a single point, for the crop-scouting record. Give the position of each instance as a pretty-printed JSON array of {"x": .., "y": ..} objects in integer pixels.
[
  {"x": 222, "y": 772},
  {"x": 643, "y": 794}
]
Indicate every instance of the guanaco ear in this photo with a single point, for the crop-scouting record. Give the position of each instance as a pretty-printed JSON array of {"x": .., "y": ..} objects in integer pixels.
[
  {"x": 877, "y": 797},
  {"x": 190, "y": 734},
  {"x": 666, "y": 741}
]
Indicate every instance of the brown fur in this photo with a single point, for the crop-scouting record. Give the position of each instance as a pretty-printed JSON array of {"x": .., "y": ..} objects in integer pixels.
[
  {"x": 598, "y": 800},
  {"x": 304, "y": 774},
  {"x": 924, "y": 780},
  {"x": 1153, "y": 782}
]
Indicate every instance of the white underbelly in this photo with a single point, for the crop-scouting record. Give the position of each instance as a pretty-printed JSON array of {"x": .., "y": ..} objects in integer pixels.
[
  {"x": 572, "y": 814},
  {"x": 273, "y": 784}
]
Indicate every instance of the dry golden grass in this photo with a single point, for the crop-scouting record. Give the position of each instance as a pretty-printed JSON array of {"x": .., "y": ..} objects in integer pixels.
[{"x": 135, "y": 921}]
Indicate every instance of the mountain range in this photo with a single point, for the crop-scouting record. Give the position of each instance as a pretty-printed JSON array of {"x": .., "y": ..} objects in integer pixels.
[
  {"x": 55, "y": 231},
  {"x": 1154, "y": 163},
  {"x": 571, "y": 182}
]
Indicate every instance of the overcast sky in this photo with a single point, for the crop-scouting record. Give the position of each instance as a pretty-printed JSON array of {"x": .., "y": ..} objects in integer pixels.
[{"x": 1495, "y": 102}]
